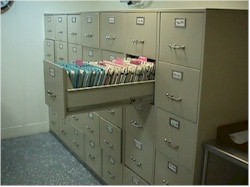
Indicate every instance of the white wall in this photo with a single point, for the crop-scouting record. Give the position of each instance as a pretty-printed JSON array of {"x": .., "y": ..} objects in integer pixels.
[{"x": 23, "y": 110}]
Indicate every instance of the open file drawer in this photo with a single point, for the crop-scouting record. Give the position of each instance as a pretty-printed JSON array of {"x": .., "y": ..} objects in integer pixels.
[{"x": 61, "y": 97}]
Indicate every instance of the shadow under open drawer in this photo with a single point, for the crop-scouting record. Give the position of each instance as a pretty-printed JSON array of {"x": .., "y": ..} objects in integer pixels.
[{"x": 63, "y": 98}]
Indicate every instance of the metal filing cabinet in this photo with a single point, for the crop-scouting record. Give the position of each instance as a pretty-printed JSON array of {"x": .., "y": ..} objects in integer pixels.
[
  {"x": 91, "y": 54},
  {"x": 130, "y": 178},
  {"x": 74, "y": 29},
  {"x": 49, "y": 50},
  {"x": 61, "y": 27},
  {"x": 112, "y": 37},
  {"x": 141, "y": 34},
  {"x": 61, "y": 51},
  {"x": 74, "y": 52},
  {"x": 111, "y": 170},
  {"x": 90, "y": 29},
  {"x": 49, "y": 26}
]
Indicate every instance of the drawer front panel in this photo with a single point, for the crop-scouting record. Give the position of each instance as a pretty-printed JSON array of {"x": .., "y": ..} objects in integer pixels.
[
  {"x": 168, "y": 172},
  {"x": 176, "y": 137},
  {"x": 111, "y": 37},
  {"x": 54, "y": 122},
  {"x": 141, "y": 34},
  {"x": 91, "y": 123},
  {"x": 110, "y": 138},
  {"x": 177, "y": 90},
  {"x": 141, "y": 122},
  {"x": 113, "y": 115},
  {"x": 130, "y": 178},
  {"x": 109, "y": 55},
  {"x": 91, "y": 54},
  {"x": 61, "y": 28},
  {"x": 49, "y": 26},
  {"x": 182, "y": 38},
  {"x": 74, "y": 29},
  {"x": 90, "y": 30},
  {"x": 65, "y": 131},
  {"x": 139, "y": 156},
  {"x": 112, "y": 170},
  {"x": 93, "y": 155},
  {"x": 75, "y": 52},
  {"x": 61, "y": 51},
  {"x": 78, "y": 142},
  {"x": 49, "y": 50}
]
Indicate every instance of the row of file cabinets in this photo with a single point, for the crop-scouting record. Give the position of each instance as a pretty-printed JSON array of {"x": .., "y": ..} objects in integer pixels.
[
  {"x": 114, "y": 31},
  {"x": 56, "y": 51}
]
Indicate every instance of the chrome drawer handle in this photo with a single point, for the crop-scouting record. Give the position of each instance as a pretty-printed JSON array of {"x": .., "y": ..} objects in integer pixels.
[
  {"x": 60, "y": 32},
  {"x": 63, "y": 132},
  {"x": 75, "y": 118},
  {"x": 60, "y": 58},
  {"x": 50, "y": 94},
  {"x": 75, "y": 143},
  {"x": 175, "y": 46},
  {"x": 134, "y": 123},
  {"x": 170, "y": 96},
  {"x": 110, "y": 37},
  {"x": 109, "y": 174},
  {"x": 138, "y": 41},
  {"x": 91, "y": 156},
  {"x": 88, "y": 35},
  {"x": 110, "y": 111},
  {"x": 134, "y": 161},
  {"x": 165, "y": 182},
  {"x": 49, "y": 30},
  {"x": 108, "y": 144},
  {"x": 90, "y": 130},
  {"x": 73, "y": 33},
  {"x": 170, "y": 144}
]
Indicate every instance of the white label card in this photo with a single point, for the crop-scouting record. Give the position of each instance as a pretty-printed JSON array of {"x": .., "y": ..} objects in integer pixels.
[
  {"x": 174, "y": 123},
  {"x": 140, "y": 20},
  {"x": 172, "y": 167},
  {"x": 180, "y": 22},
  {"x": 177, "y": 75},
  {"x": 112, "y": 20}
]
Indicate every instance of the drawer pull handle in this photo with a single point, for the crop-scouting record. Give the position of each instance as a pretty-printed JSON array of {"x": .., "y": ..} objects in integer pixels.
[
  {"x": 50, "y": 94},
  {"x": 49, "y": 30},
  {"x": 170, "y": 96},
  {"x": 110, "y": 111},
  {"x": 134, "y": 123},
  {"x": 48, "y": 55},
  {"x": 90, "y": 130},
  {"x": 137, "y": 41},
  {"x": 107, "y": 143},
  {"x": 175, "y": 46},
  {"x": 73, "y": 33},
  {"x": 60, "y": 58},
  {"x": 91, "y": 156},
  {"x": 165, "y": 182},
  {"x": 63, "y": 132},
  {"x": 110, "y": 37},
  {"x": 170, "y": 144},
  {"x": 88, "y": 35},
  {"x": 60, "y": 32},
  {"x": 109, "y": 174},
  {"x": 134, "y": 161},
  {"x": 75, "y": 118},
  {"x": 75, "y": 143},
  {"x": 53, "y": 122}
]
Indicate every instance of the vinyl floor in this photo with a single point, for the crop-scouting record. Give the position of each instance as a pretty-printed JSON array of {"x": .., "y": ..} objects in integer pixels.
[{"x": 41, "y": 160}]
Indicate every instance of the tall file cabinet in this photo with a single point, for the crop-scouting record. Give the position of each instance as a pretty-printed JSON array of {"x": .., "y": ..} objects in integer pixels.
[
  {"x": 199, "y": 75},
  {"x": 49, "y": 26},
  {"x": 74, "y": 28}
]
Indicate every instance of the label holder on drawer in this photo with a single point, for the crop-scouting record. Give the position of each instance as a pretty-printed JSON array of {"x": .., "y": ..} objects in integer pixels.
[{"x": 172, "y": 167}]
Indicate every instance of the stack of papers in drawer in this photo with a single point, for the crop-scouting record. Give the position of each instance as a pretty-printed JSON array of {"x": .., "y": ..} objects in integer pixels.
[{"x": 109, "y": 72}]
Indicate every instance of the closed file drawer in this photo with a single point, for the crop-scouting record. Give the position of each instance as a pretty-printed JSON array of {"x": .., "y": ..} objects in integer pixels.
[
  {"x": 141, "y": 34},
  {"x": 91, "y": 54},
  {"x": 182, "y": 38},
  {"x": 75, "y": 52},
  {"x": 112, "y": 169},
  {"x": 74, "y": 29},
  {"x": 110, "y": 55},
  {"x": 169, "y": 172},
  {"x": 177, "y": 90},
  {"x": 110, "y": 139},
  {"x": 49, "y": 26},
  {"x": 141, "y": 122},
  {"x": 176, "y": 138},
  {"x": 54, "y": 122},
  {"x": 77, "y": 143},
  {"x": 49, "y": 50},
  {"x": 130, "y": 178},
  {"x": 61, "y": 51},
  {"x": 90, "y": 30},
  {"x": 113, "y": 115},
  {"x": 61, "y": 28},
  {"x": 139, "y": 156},
  {"x": 111, "y": 36},
  {"x": 93, "y": 155}
]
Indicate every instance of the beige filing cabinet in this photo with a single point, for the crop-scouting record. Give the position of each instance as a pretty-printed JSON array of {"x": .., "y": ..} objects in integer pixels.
[
  {"x": 91, "y": 54},
  {"x": 90, "y": 29},
  {"x": 49, "y": 26},
  {"x": 74, "y": 28},
  {"x": 141, "y": 34},
  {"x": 112, "y": 31},
  {"x": 49, "y": 50},
  {"x": 198, "y": 75},
  {"x": 74, "y": 52},
  {"x": 61, "y": 28}
]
